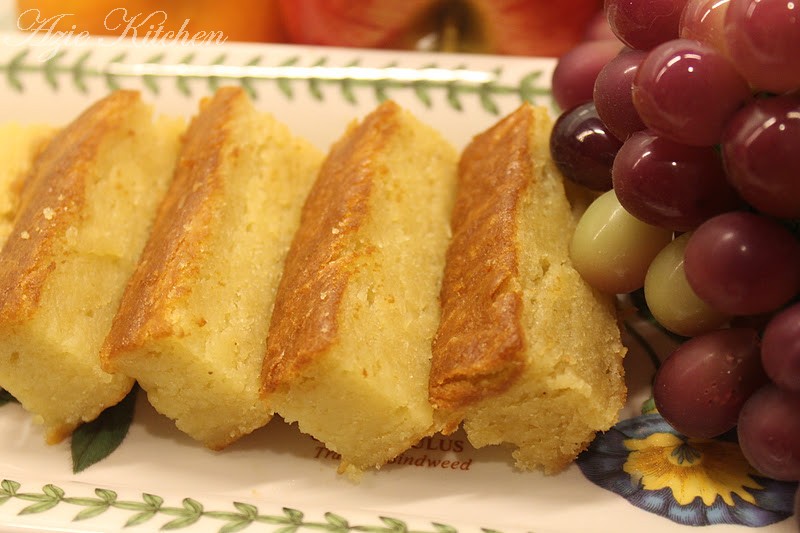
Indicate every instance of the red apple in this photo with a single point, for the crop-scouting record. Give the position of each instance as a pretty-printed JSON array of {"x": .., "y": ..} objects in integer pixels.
[
  {"x": 533, "y": 27},
  {"x": 366, "y": 24},
  {"x": 518, "y": 27}
]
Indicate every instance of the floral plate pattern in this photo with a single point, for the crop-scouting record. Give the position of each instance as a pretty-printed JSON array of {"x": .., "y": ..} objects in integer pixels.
[
  {"x": 690, "y": 481},
  {"x": 278, "y": 480}
]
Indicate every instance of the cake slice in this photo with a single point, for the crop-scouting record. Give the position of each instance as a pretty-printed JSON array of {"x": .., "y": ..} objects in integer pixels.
[
  {"x": 193, "y": 322},
  {"x": 19, "y": 146},
  {"x": 526, "y": 352},
  {"x": 349, "y": 346},
  {"x": 84, "y": 214}
]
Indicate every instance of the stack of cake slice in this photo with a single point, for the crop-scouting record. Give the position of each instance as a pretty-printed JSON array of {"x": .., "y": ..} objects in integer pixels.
[{"x": 375, "y": 296}]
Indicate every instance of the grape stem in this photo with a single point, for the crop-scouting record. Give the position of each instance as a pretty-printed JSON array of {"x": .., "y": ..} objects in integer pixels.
[{"x": 644, "y": 344}]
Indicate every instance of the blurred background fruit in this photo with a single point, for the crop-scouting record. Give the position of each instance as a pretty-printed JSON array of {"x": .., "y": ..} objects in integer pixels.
[
  {"x": 527, "y": 27},
  {"x": 515, "y": 27},
  {"x": 366, "y": 24}
]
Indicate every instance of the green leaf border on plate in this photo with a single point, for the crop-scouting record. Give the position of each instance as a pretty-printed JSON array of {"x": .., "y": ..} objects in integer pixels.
[
  {"x": 191, "y": 511},
  {"x": 288, "y": 75}
]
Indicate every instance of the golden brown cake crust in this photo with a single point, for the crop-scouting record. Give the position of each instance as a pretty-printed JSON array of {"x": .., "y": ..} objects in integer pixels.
[
  {"x": 50, "y": 201},
  {"x": 479, "y": 347},
  {"x": 324, "y": 252},
  {"x": 168, "y": 263}
]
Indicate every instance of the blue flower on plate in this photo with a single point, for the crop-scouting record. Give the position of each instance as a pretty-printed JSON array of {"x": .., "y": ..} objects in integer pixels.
[{"x": 689, "y": 481}]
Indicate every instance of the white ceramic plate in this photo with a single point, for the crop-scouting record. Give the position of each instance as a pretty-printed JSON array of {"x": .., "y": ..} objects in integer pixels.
[{"x": 277, "y": 479}]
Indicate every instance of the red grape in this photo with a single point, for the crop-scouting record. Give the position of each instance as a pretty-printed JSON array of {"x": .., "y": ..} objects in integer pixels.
[
  {"x": 613, "y": 94},
  {"x": 762, "y": 157},
  {"x": 743, "y": 264},
  {"x": 671, "y": 185},
  {"x": 764, "y": 42},
  {"x": 598, "y": 29},
  {"x": 701, "y": 387},
  {"x": 582, "y": 147},
  {"x": 686, "y": 91},
  {"x": 769, "y": 432},
  {"x": 704, "y": 21},
  {"x": 780, "y": 350},
  {"x": 643, "y": 25},
  {"x": 576, "y": 71}
]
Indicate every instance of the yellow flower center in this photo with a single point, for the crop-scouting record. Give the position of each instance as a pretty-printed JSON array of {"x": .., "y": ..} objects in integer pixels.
[{"x": 693, "y": 468}]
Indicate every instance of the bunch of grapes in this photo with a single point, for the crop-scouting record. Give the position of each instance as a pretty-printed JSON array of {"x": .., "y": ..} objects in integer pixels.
[{"x": 687, "y": 124}]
